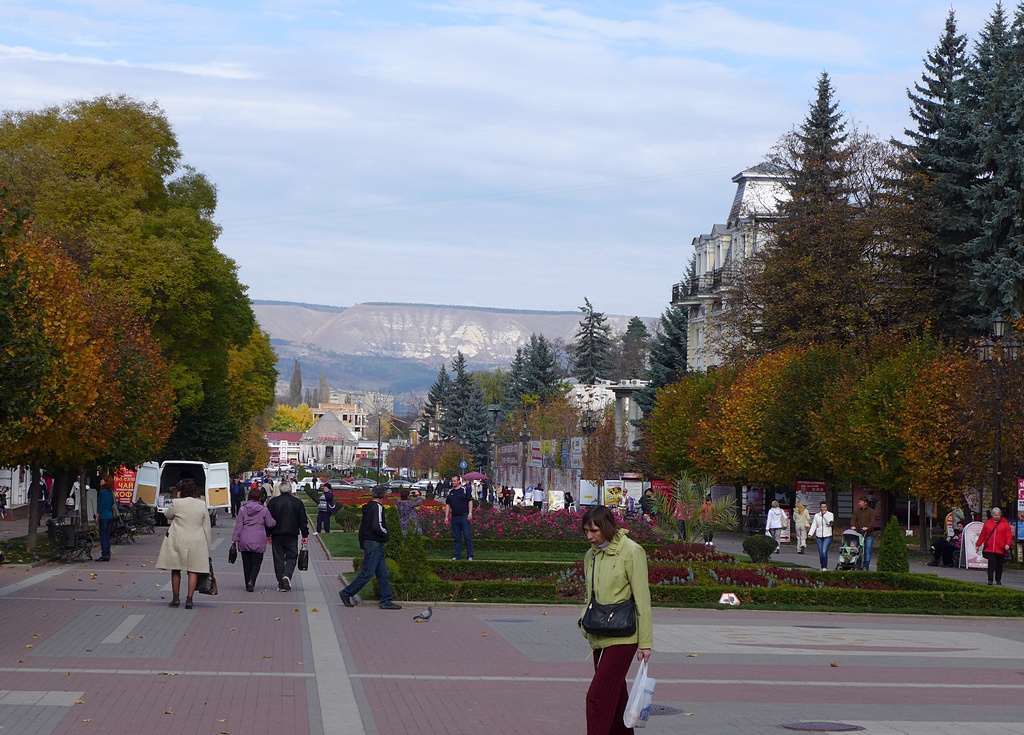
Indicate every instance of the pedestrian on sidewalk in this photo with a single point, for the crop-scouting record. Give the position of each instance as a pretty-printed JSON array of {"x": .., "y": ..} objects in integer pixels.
[
  {"x": 458, "y": 510},
  {"x": 3, "y": 503},
  {"x": 325, "y": 508},
  {"x": 995, "y": 541},
  {"x": 801, "y": 522},
  {"x": 407, "y": 515},
  {"x": 252, "y": 526},
  {"x": 373, "y": 534},
  {"x": 615, "y": 567},
  {"x": 291, "y": 520},
  {"x": 238, "y": 495},
  {"x": 707, "y": 520},
  {"x": 864, "y": 523},
  {"x": 105, "y": 515},
  {"x": 821, "y": 532},
  {"x": 774, "y": 523},
  {"x": 187, "y": 544}
]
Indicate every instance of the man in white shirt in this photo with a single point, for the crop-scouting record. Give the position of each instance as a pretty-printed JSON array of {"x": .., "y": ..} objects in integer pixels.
[{"x": 539, "y": 496}]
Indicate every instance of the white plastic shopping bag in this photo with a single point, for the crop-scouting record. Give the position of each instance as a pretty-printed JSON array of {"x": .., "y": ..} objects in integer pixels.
[{"x": 638, "y": 708}]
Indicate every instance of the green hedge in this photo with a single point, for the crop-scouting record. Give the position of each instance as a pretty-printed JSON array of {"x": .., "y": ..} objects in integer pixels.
[
  {"x": 554, "y": 545},
  {"x": 1006, "y": 603}
]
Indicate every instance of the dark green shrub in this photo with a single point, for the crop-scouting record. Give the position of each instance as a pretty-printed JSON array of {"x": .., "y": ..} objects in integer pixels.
[
  {"x": 412, "y": 560},
  {"x": 892, "y": 554},
  {"x": 394, "y": 543},
  {"x": 347, "y": 518},
  {"x": 759, "y": 547}
]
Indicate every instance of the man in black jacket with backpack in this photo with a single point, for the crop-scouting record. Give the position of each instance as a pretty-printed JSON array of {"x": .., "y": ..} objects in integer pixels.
[
  {"x": 373, "y": 534},
  {"x": 290, "y": 514}
]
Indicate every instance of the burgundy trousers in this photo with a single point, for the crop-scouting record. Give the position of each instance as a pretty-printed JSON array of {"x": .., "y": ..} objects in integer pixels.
[{"x": 607, "y": 696}]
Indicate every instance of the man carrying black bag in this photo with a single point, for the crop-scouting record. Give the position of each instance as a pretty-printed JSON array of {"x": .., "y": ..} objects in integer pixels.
[{"x": 290, "y": 514}]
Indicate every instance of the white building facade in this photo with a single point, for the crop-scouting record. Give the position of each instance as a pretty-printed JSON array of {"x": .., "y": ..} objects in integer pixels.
[{"x": 718, "y": 257}]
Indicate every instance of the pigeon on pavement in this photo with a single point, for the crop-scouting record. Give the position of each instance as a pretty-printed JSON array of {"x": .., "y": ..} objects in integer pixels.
[{"x": 425, "y": 615}]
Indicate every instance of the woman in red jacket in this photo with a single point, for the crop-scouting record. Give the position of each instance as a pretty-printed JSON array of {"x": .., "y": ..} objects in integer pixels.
[{"x": 994, "y": 541}]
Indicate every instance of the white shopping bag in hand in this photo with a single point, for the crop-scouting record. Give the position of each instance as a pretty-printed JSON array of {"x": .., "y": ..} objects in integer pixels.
[{"x": 638, "y": 708}]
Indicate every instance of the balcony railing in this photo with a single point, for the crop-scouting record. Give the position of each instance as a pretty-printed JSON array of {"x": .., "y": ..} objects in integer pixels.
[{"x": 705, "y": 283}]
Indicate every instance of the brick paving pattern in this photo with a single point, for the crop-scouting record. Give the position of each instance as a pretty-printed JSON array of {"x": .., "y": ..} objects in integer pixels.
[{"x": 93, "y": 648}]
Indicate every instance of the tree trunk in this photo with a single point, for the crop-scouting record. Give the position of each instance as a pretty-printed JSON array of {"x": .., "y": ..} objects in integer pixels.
[{"x": 35, "y": 495}]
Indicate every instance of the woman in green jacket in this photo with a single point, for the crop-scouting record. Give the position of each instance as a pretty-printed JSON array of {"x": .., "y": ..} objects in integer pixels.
[{"x": 616, "y": 567}]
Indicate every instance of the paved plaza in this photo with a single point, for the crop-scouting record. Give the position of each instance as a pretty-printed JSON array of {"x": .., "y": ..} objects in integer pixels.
[{"x": 93, "y": 648}]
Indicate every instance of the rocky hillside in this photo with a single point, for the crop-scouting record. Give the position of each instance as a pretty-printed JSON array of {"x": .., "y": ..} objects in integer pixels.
[{"x": 383, "y": 344}]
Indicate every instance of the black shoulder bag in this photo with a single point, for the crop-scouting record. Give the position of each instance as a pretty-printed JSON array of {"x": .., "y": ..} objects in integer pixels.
[{"x": 609, "y": 621}]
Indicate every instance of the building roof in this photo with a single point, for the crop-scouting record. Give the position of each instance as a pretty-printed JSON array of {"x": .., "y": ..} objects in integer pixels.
[
  {"x": 283, "y": 436},
  {"x": 329, "y": 430}
]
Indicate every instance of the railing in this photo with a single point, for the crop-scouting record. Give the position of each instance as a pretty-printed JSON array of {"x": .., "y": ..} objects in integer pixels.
[{"x": 702, "y": 284}]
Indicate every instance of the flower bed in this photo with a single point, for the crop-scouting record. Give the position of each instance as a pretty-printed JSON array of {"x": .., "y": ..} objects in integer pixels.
[{"x": 492, "y": 523}]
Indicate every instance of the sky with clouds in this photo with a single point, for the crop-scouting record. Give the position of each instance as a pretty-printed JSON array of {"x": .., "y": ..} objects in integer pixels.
[{"x": 504, "y": 153}]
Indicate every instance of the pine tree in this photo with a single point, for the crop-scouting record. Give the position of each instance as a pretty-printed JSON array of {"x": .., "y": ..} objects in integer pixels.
[
  {"x": 633, "y": 350},
  {"x": 668, "y": 359},
  {"x": 295, "y": 386},
  {"x": 437, "y": 399},
  {"x": 455, "y": 409},
  {"x": 997, "y": 253},
  {"x": 515, "y": 384},
  {"x": 475, "y": 424},
  {"x": 940, "y": 174},
  {"x": 541, "y": 371},
  {"x": 816, "y": 279},
  {"x": 593, "y": 346}
]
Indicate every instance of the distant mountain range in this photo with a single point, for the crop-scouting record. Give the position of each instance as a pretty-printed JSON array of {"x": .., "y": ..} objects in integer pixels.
[{"x": 400, "y": 347}]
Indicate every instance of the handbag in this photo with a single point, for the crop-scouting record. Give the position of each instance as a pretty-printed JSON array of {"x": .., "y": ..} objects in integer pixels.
[
  {"x": 303, "y": 562},
  {"x": 207, "y": 583},
  {"x": 617, "y": 620},
  {"x": 233, "y": 553}
]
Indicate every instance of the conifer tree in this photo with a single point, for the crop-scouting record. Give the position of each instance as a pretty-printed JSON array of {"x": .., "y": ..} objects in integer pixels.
[
  {"x": 939, "y": 176},
  {"x": 515, "y": 383},
  {"x": 541, "y": 374},
  {"x": 593, "y": 346},
  {"x": 437, "y": 399},
  {"x": 633, "y": 349},
  {"x": 475, "y": 425},
  {"x": 454, "y": 410},
  {"x": 667, "y": 355},
  {"x": 295, "y": 386},
  {"x": 997, "y": 253}
]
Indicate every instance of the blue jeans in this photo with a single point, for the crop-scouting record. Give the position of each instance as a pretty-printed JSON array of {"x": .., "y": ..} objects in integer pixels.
[
  {"x": 823, "y": 544},
  {"x": 460, "y": 530},
  {"x": 869, "y": 544},
  {"x": 105, "y": 525},
  {"x": 373, "y": 564}
]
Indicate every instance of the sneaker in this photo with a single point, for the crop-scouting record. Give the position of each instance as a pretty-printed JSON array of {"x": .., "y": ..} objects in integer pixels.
[
  {"x": 390, "y": 606},
  {"x": 469, "y": 558},
  {"x": 346, "y": 600},
  {"x": 824, "y": 569},
  {"x": 455, "y": 558},
  {"x": 286, "y": 583},
  {"x": 250, "y": 587}
]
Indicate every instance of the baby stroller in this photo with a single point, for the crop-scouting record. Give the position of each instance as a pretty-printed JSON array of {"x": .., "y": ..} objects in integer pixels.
[{"x": 851, "y": 553}]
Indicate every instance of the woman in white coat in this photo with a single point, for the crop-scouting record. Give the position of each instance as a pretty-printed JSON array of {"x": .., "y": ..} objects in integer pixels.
[
  {"x": 821, "y": 532},
  {"x": 775, "y": 523},
  {"x": 187, "y": 546}
]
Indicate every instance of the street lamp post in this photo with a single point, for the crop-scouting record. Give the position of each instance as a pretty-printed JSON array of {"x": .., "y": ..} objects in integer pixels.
[
  {"x": 996, "y": 351},
  {"x": 524, "y": 438}
]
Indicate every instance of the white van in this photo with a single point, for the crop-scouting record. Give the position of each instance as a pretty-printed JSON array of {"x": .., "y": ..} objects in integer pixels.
[{"x": 154, "y": 484}]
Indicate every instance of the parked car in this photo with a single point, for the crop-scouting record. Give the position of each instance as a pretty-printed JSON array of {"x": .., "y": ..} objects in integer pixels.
[
  {"x": 422, "y": 484},
  {"x": 362, "y": 482}
]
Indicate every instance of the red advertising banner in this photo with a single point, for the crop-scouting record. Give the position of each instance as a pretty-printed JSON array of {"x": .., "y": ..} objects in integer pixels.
[{"x": 124, "y": 485}]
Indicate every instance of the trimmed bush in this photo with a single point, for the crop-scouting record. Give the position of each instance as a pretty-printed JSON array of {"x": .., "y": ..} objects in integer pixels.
[
  {"x": 892, "y": 554},
  {"x": 759, "y": 547},
  {"x": 413, "y": 565}
]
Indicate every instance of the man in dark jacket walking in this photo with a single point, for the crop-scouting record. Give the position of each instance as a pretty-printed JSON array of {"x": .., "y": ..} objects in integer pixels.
[
  {"x": 373, "y": 534},
  {"x": 290, "y": 514}
]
